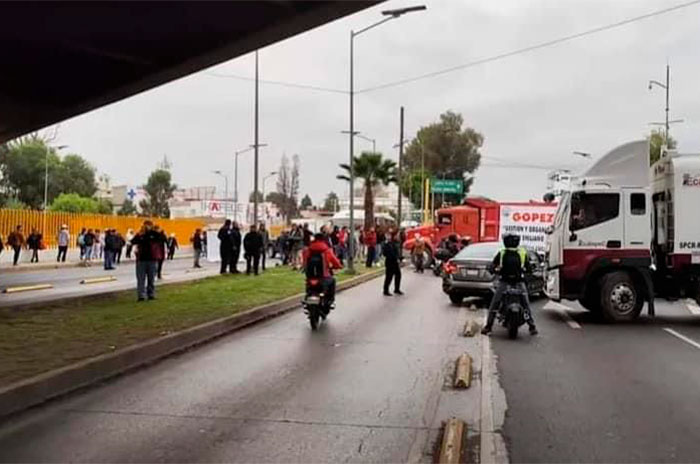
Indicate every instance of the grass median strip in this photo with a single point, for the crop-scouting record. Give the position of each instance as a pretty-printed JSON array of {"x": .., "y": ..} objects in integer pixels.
[{"x": 36, "y": 340}]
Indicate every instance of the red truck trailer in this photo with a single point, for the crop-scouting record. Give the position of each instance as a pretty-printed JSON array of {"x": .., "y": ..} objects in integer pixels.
[{"x": 484, "y": 220}]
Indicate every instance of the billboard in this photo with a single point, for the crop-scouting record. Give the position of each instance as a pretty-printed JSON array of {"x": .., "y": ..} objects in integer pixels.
[{"x": 529, "y": 221}]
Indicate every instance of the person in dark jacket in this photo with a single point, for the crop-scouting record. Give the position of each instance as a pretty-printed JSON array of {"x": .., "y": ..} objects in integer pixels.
[
  {"x": 265, "y": 235},
  {"x": 197, "y": 246},
  {"x": 120, "y": 246},
  {"x": 147, "y": 242},
  {"x": 110, "y": 249},
  {"x": 252, "y": 244},
  {"x": 160, "y": 254},
  {"x": 34, "y": 244},
  {"x": 392, "y": 255},
  {"x": 172, "y": 246},
  {"x": 225, "y": 236},
  {"x": 235, "y": 247}
]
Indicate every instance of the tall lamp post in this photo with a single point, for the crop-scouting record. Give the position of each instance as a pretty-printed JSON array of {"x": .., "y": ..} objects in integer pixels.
[
  {"x": 46, "y": 184},
  {"x": 225, "y": 190},
  {"x": 390, "y": 14},
  {"x": 666, "y": 87},
  {"x": 374, "y": 142}
]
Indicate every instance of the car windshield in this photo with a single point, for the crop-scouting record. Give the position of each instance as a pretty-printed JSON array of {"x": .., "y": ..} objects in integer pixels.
[{"x": 485, "y": 251}]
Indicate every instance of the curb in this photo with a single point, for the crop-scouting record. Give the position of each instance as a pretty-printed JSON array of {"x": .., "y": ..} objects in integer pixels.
[
  {"x": 38, "y": 389},
  {"x": 47, "y": 266}
]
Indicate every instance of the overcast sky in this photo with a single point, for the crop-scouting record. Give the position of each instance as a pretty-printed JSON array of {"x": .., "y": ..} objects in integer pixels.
[{"x": 589, "y": 94}]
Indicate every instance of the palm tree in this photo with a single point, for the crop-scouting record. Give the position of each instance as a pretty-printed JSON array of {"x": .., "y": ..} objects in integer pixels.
[{"x": 373, "y": 169}]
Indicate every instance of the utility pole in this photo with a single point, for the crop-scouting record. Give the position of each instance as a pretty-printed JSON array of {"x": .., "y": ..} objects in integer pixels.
[
  {"x": 257, "y": 145},
  {"x": 667, "y": 88},
  {"x": 398, "y": 174}
]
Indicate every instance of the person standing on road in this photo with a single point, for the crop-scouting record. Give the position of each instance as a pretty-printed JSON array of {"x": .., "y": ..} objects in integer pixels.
[
  {"x": 252, "y": 244},
  {"x": 16, "y": 241},
  {"x": 236, "y": 241},
  {"x": 89, "y": 243},
  {"x": 265, "y": 236},
  {"x": 371, "y": 244},
  {"x": 197, "y": 246},
  {"x": 225, "y": 246},
  {"x": 418, "y": 254},
  {"x": 129, "y": 245},
  {"x": 63, "y": 241},
  {"x": 160, "y": 250},
  {"x": 147, "y": 243},
  {"x": 172, "y": 246},
  {"x": 120, "y": 246},
  {"x": 392, "y": 263},
  {"x": 80, "y": 242},
  {"x": 99, "y": 245},
  {"x": 109, "y": 249},
  {"x": 34, "y": 244}
]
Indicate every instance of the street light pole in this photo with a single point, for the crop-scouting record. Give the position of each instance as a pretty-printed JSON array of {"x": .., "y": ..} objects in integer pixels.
[
  {"x": 273, "y": 173},
  {"x": 256, "y": 146},
  {"x": 666, "y": 87},
  {"x": 374, "y": 142},
  {"x": 225, "y": 190},
  {"x": 390, "y": 14}
]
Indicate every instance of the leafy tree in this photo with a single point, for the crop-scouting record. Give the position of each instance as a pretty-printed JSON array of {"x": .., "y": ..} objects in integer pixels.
[
  {"x": 128, "y": 209},
  {"x": 656, "y": 140},
  {"x": 74, "y": 203},
  {"x": 331, "y": 202},
  {"x": 23, "y": 163},
  {"x": 373, "y": 169},
  {"x": 159, "y": 189},
  {"x": 306, "y": 203},
  {"x": 14, "y": 203},
  {"x": 447, "y": 150},
  {"x": 277, "y": 199},
  {"x": 105, "y": 206},
  {"x": 74, "y": 175},
  {"x": 251, "y": 197}
]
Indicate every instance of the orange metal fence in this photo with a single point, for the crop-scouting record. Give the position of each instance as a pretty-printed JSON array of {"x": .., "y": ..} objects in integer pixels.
[{"x": 11, "y": 218}]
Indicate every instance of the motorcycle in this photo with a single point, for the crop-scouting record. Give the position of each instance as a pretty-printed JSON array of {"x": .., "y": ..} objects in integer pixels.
[
  {"x": 315, "y": 304},
  {"x": 511, "y": 312}
]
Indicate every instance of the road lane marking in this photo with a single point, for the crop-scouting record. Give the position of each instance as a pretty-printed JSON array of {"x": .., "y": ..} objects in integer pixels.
[
  {"x": 683, "y": 337},
  {"x": 692, "y": 306},
  {"x": 563, "y": 312}
]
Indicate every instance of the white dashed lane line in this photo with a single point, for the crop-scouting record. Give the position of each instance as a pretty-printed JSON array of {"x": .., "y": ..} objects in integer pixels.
[
  {"x": 563, "y": 312},
  {"x": 680, "y": 336}
]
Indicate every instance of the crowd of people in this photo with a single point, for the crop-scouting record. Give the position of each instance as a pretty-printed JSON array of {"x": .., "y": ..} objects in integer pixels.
[{"x": 106, "y": 245}]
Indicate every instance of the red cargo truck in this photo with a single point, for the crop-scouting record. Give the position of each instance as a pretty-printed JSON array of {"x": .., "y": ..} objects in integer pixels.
[{"x": 483, "y": 220}]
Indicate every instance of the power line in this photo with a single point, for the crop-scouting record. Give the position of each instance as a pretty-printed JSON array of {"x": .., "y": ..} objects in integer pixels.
[
  {"x": 530, "y": 48},
  {"x": 280, "y": 83}
]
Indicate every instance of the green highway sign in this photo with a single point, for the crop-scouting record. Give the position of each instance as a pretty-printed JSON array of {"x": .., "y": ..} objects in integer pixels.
[{"x": 451, "y": 186}]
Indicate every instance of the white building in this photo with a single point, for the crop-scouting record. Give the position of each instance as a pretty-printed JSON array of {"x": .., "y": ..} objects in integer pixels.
[{"x": 385, "y": 199}]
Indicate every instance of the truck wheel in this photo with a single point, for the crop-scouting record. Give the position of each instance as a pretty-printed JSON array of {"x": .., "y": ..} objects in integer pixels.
[
  {"x": 456, "y": 298},
  {"x": 620, "y": 299}
]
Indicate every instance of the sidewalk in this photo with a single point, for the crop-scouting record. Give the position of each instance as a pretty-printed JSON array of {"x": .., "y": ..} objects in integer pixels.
[{"x": 47, "y": 259}]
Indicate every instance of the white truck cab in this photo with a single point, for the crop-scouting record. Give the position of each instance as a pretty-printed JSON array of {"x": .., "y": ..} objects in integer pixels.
[{"x": 616, "y": 236}]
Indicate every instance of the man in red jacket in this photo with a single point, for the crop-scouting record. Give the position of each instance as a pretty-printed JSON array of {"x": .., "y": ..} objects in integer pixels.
[
  {"x": 319, "y": 263},
  {"x": 371, "y": 244}
]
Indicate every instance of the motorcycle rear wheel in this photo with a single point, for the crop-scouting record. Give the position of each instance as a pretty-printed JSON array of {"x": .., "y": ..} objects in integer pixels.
[
  {"x": 512, "y": 328},
  {"x": 313, "y": 318}
]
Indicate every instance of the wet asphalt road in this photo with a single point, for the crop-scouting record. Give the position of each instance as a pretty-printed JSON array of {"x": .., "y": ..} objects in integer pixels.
[
  {"x": 369, "y": 386},
  {"x": 603, "y": 393}
]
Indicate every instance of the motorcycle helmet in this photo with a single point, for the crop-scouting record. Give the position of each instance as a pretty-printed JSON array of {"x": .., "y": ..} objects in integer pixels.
[{"x": 511, "y": 240}]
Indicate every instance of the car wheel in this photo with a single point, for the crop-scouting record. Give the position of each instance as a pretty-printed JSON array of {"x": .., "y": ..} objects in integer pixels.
[{"x": 456, "y": 298}]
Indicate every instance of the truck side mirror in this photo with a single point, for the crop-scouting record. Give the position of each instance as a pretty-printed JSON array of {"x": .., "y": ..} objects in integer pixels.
[{"x": 573, "y": 237}]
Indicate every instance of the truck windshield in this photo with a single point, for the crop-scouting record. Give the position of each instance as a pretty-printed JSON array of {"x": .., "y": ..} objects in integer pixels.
[
  {"x": 444, "y": 220},
  {"x": 589, "y": 209}
]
